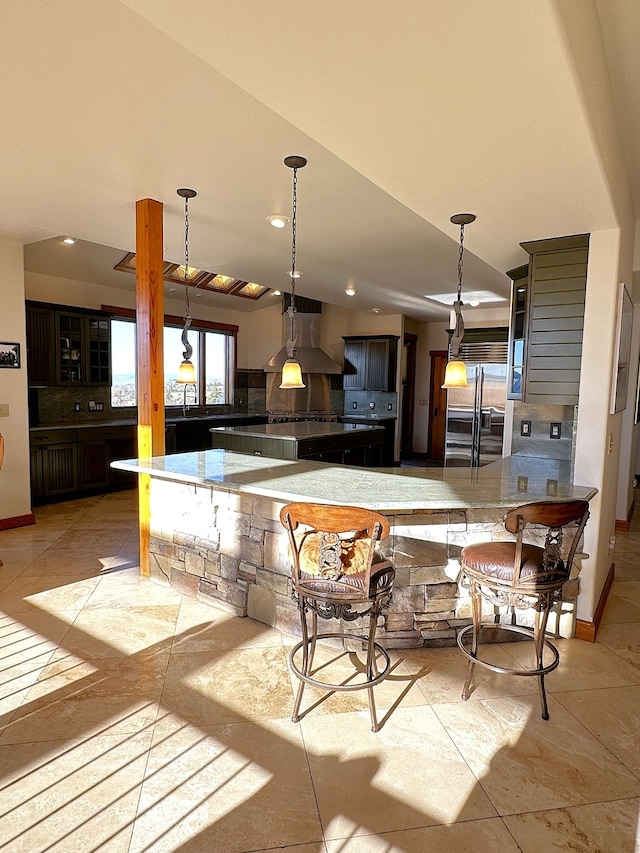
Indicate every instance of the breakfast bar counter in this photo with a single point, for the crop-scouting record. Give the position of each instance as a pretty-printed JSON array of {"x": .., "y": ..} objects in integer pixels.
[{"x": 216, "y": 534}]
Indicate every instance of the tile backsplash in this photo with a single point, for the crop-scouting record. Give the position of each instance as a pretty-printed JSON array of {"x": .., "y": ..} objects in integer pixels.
[{"x": 538, "y": 421}]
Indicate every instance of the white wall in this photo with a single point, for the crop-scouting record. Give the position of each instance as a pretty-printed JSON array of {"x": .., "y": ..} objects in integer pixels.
[
  {"x": 598, "y": 435},
  {"x": 15, "y": 490}
]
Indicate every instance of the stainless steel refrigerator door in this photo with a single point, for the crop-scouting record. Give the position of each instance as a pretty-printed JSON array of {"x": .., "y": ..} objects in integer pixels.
[
  {"x": 491, "y": 398},
  {"x": 461, "y": 423}
]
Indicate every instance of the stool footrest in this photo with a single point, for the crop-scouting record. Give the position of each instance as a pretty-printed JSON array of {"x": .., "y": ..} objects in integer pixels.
[
  {"x": 326, "y": 685},
  {"x": 518, "y": 629}
]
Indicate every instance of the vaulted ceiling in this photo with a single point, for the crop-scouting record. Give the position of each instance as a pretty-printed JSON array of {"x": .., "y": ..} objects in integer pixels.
[{"x": 522, "y": 113}]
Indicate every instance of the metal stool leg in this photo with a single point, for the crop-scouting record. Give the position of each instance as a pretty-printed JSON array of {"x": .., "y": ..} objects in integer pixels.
[
  {"x": 476, "y": 605},
  {"x": 539, "y": 628}
]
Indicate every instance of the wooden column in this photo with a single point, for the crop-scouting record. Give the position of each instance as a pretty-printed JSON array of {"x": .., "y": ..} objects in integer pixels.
[{"x": 150, "y": 366}]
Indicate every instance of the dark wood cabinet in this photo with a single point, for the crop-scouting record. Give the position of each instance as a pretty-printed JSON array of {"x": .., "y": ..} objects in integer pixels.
[
  {"x": 67, "y": 461},
  {"x": 67, "y": 346},
  {"x": 54, "y": 463},
  {"x": 370, "y": 362},
  {"x": 41, "y": 361}
]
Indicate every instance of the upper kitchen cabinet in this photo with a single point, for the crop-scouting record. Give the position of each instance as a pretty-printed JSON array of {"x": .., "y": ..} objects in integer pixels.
[
  {"x": 517, "y": 331},
  {"x": 547, "y": 321},
  {"x": 67, "y": 346},
  {"x": 370, "y": 362}
]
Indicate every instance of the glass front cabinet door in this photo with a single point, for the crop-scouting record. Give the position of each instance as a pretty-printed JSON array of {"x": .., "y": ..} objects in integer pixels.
[{"x": 518, "y": 332}]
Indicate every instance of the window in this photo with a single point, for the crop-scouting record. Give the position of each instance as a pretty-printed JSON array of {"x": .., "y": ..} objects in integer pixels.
[{"x": 213, "y": 359}]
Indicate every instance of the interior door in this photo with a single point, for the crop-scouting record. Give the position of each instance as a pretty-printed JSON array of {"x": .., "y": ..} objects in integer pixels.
[{"x": 437, "y": 405}]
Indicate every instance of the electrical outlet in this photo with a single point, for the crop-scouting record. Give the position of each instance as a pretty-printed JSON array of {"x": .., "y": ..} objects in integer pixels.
[
  {"x": 612, "y": 543},
  {"x": 76, "y": 407},
  {"x": 552, "y": 487},
  {"x": 354, "y": 405},
  {"x": 610, "y": 443},
  {"x": 555, "y": 430},
  {"x": 525, "y": 427},
  {"x": 372, "y": 405},
  {"x": 389, "y": 407}
]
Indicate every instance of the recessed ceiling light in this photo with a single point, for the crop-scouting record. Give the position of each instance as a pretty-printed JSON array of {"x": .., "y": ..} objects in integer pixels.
[
  {"x": 70, "y": 241},
  {"x": 376, "y": 310},
  {"x": 277, "y": 220},
  {"x": 474, "y": 303},
  {"x": 277, "y": 292},
  {"x": 351, "y": 291}
]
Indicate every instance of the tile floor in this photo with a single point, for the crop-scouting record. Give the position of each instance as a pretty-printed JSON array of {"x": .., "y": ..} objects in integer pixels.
[{"x": 132, "y": 719}]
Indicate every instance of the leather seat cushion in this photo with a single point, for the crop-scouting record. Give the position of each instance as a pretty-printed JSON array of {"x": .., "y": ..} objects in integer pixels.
[
  {"x": 496, "y": 560},
  {"x": 354, "y": 582}
]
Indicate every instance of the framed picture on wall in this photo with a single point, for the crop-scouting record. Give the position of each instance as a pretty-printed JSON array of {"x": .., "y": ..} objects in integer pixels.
[
  {"x": 622, "y": 352},
  {"x": 9, "y": 355}
]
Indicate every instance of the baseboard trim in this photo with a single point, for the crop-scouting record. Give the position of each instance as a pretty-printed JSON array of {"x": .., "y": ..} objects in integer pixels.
[
  {"x": 587, "y": 630},
  {"x": 17, "y": 521},
  {"x": 623, "y": 526}
]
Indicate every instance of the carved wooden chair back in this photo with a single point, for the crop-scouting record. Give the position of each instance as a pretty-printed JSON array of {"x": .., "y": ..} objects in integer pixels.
[{"x": 333, "y": 548}]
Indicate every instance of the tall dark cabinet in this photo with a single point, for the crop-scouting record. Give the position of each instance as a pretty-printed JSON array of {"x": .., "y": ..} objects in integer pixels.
[{"x": 370, "y": 362}]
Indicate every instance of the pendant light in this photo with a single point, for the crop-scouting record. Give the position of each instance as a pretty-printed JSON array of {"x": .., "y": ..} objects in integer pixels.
[
  {"x": 291, "y": 372},
  {"x": 455, "y": 375},
  {"x": 186, "y": 372}
]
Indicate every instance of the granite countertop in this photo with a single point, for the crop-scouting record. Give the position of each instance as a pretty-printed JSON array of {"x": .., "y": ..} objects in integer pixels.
[
  {"x": 295, "y": 430},
  {"x": 506, "y": 483},
  {"x": 362, "y": 417}
]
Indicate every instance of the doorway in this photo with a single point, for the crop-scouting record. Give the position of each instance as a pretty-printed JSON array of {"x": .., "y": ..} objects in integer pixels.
[
  {"x": 437, "y": 406},
  {"x": 408, "y": 382}
]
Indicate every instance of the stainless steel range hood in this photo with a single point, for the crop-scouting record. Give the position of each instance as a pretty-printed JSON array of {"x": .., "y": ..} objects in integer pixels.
[{"x": 311, "y": 358}]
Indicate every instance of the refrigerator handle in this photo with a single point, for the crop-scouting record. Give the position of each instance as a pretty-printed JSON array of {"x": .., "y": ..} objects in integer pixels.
[{"x": 477, "y": 415}]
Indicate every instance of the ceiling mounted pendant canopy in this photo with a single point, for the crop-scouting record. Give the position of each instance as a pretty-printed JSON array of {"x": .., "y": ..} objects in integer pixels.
[
  {"x": 186, "y": 372},
  {"x": 455, "y": 375},
  {"x": 291, "y": 372}
]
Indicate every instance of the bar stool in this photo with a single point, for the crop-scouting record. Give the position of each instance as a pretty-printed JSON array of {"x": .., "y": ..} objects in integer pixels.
[
  {"x": 336, "y": 574},
  {"x": 1, "y": 461},
  {"x": 518, "y": 575}
]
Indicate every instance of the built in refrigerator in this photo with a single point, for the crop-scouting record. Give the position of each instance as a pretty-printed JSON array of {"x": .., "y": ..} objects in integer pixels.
[{"x": 475, "y": 415}]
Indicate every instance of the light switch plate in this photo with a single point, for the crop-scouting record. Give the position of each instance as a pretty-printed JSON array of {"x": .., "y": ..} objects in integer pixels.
[
  {"x": 555, "y": 430},
  {"x": 4, "y": 410},
  {"x": 525, "y": 427}
]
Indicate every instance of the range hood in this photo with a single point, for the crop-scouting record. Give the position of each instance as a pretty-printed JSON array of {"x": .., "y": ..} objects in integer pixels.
[{"x": 308, "y": 354}]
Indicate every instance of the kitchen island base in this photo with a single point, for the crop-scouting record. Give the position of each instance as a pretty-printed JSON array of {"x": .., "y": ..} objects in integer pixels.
[{"x": 223, "y": 545}]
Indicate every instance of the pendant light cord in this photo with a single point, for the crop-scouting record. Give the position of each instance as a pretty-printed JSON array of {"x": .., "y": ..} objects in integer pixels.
[{"x": 460, "y": 262}]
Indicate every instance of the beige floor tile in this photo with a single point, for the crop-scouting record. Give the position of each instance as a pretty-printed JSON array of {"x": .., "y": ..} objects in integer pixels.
[
  {"x": 15, "y": 562},
  {"x": 628, "y": 589},
  {"x": 627, "y": 569},
  {"x": 201, "y": 627},
  {"x": 473, "y": 836},
  {"x": 226, "y": 788},
  {"x": 525, "y": 763},
  {"x": 116, "y": 631},
  {"x": 444, "y": 672},
  {"x": 315, "y": 847},
  {"x": 79, "y": 698},
  {"x": 408, "y": 775},
  {"x": 582, "y": 666},
  {"x": 126, "y": 588},
  {"x": 46, "y": 593},
  {"x": 619, "y": 610},
  {"x": 623, "y": 639},
  {"x": 599, "y": 828},
  {"x": 15, "y": 683},
  {"x": 612, "y": 716},
  {"x": 214, "y": 687},
  {"x": 27, "y": 636},
  {"x": 63, "y": 563},
  {"x": 71, "y": 795}
]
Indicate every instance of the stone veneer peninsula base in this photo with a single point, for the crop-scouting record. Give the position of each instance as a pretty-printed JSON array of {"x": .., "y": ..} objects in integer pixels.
[{"x": 216, "y": 534}]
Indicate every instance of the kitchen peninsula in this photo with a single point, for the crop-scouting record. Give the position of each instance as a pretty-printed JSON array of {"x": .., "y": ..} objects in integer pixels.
[{"x": 216, "y": 534}]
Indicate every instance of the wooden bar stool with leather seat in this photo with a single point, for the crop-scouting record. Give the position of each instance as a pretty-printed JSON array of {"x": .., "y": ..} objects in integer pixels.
[
  {"x": 518, "y": 575},
  {"x": 337, "y": 574}
]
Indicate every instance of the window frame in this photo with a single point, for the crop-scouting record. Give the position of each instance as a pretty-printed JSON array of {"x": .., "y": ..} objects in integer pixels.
[{"x": 230, "y": 332}]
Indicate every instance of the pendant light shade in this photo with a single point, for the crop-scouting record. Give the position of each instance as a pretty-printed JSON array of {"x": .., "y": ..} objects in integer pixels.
[
  {"x": 291, "y": 371},
  {"x": 186, "y": 373},
  {"x": 291, "y": 375},
  {"x": 455, "y": 375}
]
